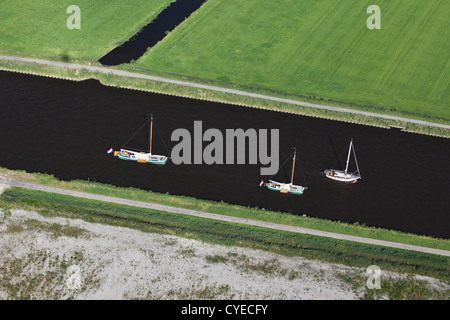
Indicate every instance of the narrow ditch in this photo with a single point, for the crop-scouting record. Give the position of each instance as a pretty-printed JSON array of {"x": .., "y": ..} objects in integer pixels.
[{"x": 152, "y": 33}]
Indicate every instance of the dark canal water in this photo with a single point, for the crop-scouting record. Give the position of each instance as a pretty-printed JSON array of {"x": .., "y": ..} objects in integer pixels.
[
  {"x": 152, "y": 33},
  {"x": 64, "y": 128}
]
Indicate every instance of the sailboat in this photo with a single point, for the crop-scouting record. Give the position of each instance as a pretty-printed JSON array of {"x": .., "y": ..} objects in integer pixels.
[
  {"x": 345, "y": 176},
  {"x": 286, "y": 187},
  {"x": 142, "y": 157}
]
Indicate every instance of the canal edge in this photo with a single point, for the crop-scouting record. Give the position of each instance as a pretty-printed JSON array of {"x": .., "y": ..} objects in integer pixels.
[
  {"x": 223, "y": 218},
  {"x": 128, "y": 74}
]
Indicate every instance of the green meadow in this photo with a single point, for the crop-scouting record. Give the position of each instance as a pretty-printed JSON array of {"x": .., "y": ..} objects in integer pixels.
[
  {"x": 39, "y": 28},
  {"x": 318, "y": 49}
]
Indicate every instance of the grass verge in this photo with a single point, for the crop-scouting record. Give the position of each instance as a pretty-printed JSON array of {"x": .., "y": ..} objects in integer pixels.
[
  {"x": 229, "y": 209},
  {"x": 286, "y": 243}
]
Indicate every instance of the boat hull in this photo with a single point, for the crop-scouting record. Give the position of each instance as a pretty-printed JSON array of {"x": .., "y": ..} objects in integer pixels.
[
  {"x": 285, "y": 187},
  {"x": 141, "y": 157},
  {"x": 341, "y": 176}
]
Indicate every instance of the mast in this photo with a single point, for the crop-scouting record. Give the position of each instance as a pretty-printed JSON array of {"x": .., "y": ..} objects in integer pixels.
[
  {"x": 348, "y": 157},
  {"x": 151, "y": 132},
  {"x": 357, "y": 167},
  {"x": 293, "y": 166}
]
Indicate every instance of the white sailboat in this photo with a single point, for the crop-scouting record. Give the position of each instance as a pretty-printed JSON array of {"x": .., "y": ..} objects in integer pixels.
[
  {"x": 345, "y": 176},
  {"x": 142, "y": 157},
  {"x": 286, "y": 187}
]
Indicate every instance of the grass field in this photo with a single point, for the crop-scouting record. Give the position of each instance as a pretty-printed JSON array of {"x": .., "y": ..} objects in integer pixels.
[
  {"x": 315, "y": 51},
  {"x": 39, "y": 27},
  {"x": 318, "y": 49}
]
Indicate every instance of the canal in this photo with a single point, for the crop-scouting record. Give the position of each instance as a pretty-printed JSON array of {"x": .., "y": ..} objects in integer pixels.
[
  {"x": 64, "y": 128},
  {"x": 152, "y": 33}
]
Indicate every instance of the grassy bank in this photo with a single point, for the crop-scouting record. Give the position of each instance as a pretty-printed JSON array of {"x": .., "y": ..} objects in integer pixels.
[
  {"x": 400, "y": 70},
  {"x": 318, "y": 48},
  {"x": 39, "y": 28},
  {"x": 209, "y": 95},
  {"x": 229, "y": 209},
  {"x": 312, "y": 247}
]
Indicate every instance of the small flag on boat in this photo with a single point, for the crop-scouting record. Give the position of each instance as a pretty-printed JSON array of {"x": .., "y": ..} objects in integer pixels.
[
  {"x": 261, "y": 183},
  {"x": 110, "y": 150}
]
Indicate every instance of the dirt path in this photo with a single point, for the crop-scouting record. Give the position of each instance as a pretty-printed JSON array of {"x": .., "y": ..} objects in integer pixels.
[
  {"x": 213, "y": 216},
  {"x": 225, "y": 90}
]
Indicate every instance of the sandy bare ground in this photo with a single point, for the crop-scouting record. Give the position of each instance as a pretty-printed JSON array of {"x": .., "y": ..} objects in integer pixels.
[{"x": 60, "y": 258}]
